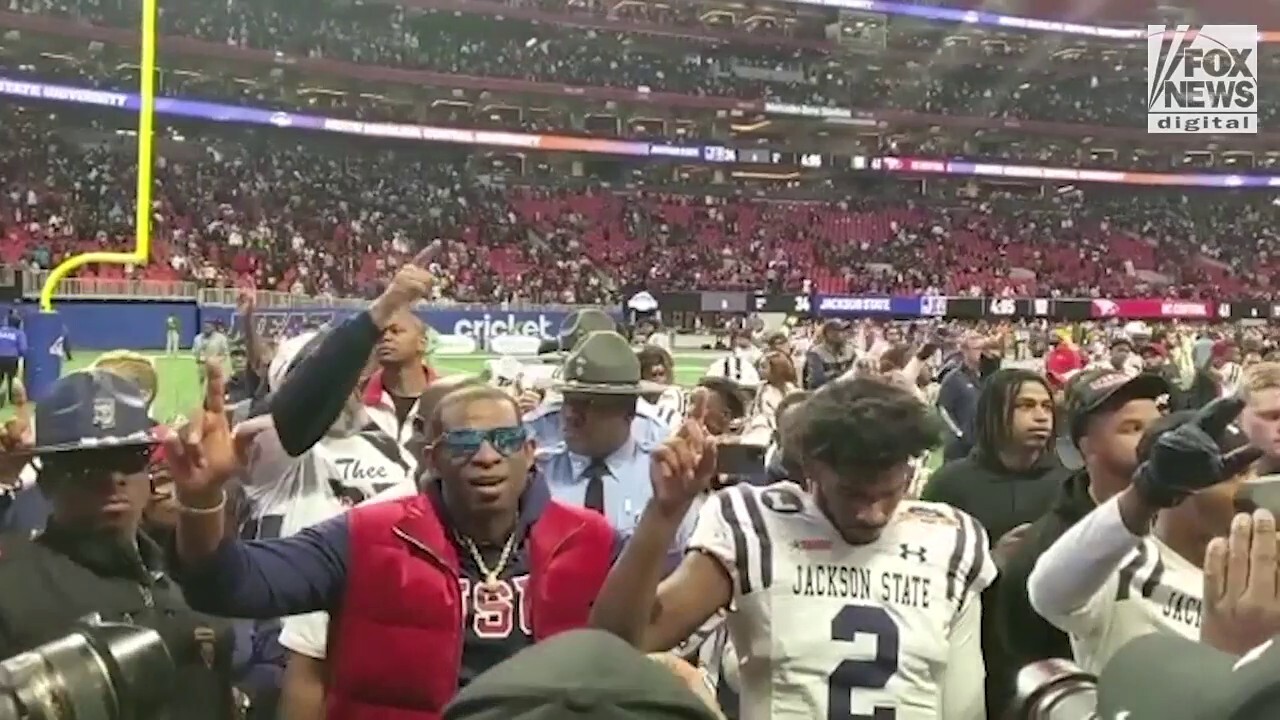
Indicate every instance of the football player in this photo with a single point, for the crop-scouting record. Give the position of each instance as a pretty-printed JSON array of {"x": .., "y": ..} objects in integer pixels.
[
  {"x": 845, "y": 600},
  {"x": 1133, "y": 565}
]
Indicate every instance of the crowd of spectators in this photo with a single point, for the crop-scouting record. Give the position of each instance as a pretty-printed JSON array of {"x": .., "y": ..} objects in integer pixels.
[
  {"x": 307, "y": 214},
  {"x": 999, "y": 82},
  {"x": 312, "y": 214},
  {"x": 112, "y": 71}
]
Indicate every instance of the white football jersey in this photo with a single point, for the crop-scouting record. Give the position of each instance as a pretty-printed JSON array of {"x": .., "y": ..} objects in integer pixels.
[
  {"x": 1155, "y": 590},
  {"x": 735, "y": 367},
  {"x": 671, "y": 407},
  {"x": 825, "y": 629},
  {"x": 287, "y": 494}
]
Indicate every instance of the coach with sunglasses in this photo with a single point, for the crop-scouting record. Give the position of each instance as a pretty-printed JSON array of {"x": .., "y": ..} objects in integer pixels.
[
  {"x": 424, "y": 593},
  {"x": 93, "y": 439}
]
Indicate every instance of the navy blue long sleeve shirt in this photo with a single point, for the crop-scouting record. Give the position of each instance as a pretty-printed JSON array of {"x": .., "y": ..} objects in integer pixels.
[
  {"x": 302, "y": 415},
  {"x": 265, "y": 579}
]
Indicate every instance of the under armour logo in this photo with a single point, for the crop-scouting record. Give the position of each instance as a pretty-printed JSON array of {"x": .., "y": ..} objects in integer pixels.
[{"x": 906, "y": 552}]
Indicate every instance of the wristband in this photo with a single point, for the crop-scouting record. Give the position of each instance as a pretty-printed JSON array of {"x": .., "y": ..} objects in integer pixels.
[{"x": 187, "y": 510}]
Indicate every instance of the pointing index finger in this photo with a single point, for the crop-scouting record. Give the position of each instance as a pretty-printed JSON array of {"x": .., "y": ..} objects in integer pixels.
[
  {"x": 423, "y": 258},
  {"x": 215, "y": 390},
  {"x": 1217, "y": 415},
  {"x": 698, "y": 404}
]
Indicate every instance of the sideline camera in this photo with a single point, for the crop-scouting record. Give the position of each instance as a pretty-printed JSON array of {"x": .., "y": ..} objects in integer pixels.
[
  {"x": 101, "y": 671},
  {"x": 1054, "y": 690}
]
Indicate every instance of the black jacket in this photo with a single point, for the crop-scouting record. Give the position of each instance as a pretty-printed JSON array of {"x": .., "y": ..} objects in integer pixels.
[
  {"x": 61, "y": 576},
  {"x": 1001, "y": 499},
  {"x": 1024, "y": 636}
]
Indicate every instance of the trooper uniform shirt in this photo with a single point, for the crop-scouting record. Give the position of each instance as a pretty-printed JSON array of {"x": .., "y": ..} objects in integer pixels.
[{"x": 60, "y": 576}]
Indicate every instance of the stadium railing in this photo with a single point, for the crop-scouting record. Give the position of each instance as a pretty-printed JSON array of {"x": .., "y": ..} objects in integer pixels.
[
  {"x": 109, "y": 288},
  {"x": 175, "y": 290}
]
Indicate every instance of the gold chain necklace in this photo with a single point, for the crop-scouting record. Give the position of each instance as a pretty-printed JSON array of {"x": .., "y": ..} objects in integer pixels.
[{"x": 490, "y": 575}]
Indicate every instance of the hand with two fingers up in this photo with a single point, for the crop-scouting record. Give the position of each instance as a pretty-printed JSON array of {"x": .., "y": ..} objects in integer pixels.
[
  {"x": 1188, "y": 459},
  {"x": 1242, "y": 585},
  {"x": 202, "y": 454},
  {"x": 683, "y": 466}
]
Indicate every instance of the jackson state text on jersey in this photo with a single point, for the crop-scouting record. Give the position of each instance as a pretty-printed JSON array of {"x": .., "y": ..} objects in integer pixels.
[{"x": 826, "y": 630}]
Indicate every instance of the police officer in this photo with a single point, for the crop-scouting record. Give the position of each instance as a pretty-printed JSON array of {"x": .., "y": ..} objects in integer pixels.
[
  {"x": 93, "y": 440},
  {"x": 544, "y": 422},
  {"x": 600, "y": 464}
]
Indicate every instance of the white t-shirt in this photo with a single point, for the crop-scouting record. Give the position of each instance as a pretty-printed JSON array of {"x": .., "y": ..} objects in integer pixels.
[
  {"x": 824, "y": 629},
  {"x": 1104, "y": 586}
]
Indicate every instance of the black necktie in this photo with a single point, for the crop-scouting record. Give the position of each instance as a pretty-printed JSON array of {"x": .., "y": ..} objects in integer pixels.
[{"x": 595, "y": 487}]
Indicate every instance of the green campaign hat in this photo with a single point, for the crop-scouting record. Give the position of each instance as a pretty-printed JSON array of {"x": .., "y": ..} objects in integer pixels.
[
  {"x": 604, "y": 364},
  {"x": 576, "y": 327},
  {"x": 578, "y": 674},
  {"x": 1163, "y": 676}
]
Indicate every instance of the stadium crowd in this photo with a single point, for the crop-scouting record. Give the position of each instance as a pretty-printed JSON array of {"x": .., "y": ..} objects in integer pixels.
[
  {"x": 314, "y": 215},
  {"x": 788, "y": 482},
  {"x": 1015, "y": 79},
  {"x": 935, "y": 520}
]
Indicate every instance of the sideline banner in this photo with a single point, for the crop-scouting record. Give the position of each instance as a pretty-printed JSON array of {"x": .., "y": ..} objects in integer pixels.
[
  {"x": 109, "y": 325},
  {"x": 1153, "y": 309},
  {"x": 447, "y": 345}
]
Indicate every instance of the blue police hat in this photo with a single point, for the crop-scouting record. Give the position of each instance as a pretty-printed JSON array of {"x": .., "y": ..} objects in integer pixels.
[{"x": 92, "y": 410}]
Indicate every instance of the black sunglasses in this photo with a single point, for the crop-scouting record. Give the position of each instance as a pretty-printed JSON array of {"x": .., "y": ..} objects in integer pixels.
[{"x": 98, "y": 462}]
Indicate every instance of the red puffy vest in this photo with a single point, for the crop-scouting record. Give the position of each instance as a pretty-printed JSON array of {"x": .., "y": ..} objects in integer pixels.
[{"x": 396, "y": 644}]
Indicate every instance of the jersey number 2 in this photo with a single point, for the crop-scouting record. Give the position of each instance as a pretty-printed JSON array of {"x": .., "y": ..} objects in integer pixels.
[{"x": 853, "y": 675}]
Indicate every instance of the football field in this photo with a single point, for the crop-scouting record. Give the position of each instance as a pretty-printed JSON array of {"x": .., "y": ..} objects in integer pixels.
[
  {"x": 180, "y": 393},
  {"x": 179, "y": 388}
]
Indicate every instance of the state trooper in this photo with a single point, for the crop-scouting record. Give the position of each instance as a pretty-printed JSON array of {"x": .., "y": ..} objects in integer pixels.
[
  {"x": 600, "y": 464},
  {"x": 545, "y": 421}
]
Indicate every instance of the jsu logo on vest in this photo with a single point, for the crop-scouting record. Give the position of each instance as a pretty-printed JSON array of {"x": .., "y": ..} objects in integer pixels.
[{"x": 510, "y": 324}]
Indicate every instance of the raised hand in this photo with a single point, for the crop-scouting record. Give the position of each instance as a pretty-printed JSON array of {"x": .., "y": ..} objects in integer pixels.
[
  {"x": 411, "y": 283},
  {"x": 683, "y": 466},
  {"x": 202, "y": 454},
  {"x": 16, "y": 437},
  {"x": 1241, "y": 588},
  {"x": 1187, "y": 459}
]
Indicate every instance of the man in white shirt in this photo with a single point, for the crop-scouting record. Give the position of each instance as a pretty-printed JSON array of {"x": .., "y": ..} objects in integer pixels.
[
  {"x": 1132, "y": 566},
  {"x": 1228, "y": 674}
]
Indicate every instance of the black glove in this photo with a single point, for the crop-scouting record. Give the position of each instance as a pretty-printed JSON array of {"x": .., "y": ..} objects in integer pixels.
[{"x": 1187, "y": 459}]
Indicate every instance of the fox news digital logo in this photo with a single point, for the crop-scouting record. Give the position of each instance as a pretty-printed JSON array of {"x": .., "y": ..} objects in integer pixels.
[{"x": 1202, "y": 80}]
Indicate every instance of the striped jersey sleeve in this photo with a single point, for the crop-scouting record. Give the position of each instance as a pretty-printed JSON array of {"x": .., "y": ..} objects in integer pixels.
[
  {"x": 731, "y": 528},
  {"x": 671, "y": 407},
  {"x": 970, "y": 566}
]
